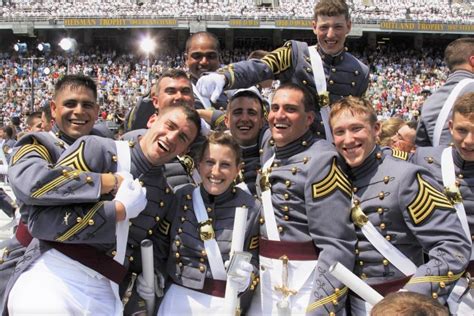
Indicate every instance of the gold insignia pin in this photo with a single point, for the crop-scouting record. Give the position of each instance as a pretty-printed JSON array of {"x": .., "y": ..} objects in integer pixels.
[{"x": 453, "y": 193}]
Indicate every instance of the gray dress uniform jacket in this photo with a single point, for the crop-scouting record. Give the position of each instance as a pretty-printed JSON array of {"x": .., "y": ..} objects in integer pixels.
[
  {"x": 404, "y": 203},
  {"x": 430, "y": 158},
  {"x": 186, "y": 261},
  {"x": 433, "y": 105},
  {"x": 311, "y": 201},
  {"x": 73, "y": 221},
  {"x": 345, "y": 74},
  {"x": 32, "y": 160}
]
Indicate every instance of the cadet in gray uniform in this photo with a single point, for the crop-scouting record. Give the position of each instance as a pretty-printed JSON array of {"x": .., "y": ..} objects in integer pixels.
[
  {"x": 458, "y": 58},
  {"x": 305, "y": 225},
  {"x": 196, "y": 269},
  {"x": 342, "y": 74},
  {"x": 174, "y": 87},
  {"x": 400, "y": 213},
  {"x": 84, "y": 231},
  {"x": 75, "y": 110},
  {"x": 244, "y": 119},
  {"x": 203, "y": 55},
  {"x": 453, "y": 168}
]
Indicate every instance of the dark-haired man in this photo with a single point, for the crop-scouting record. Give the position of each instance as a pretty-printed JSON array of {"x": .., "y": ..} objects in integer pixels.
[
  {"x": 244, "y": 119},
  {"x": 70, "y": 232},
  {"x": 305, "y": 225},
  {"x": 202, "y": 56},
  {"x": 75, "y": 111}
]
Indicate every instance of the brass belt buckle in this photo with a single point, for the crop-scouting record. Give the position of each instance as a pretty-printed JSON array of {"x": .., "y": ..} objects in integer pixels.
[{"x": 206, "y": 232}]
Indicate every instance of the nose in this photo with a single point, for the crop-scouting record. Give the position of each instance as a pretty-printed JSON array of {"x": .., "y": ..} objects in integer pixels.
[
  {"x": 173, "y": 136},
  {"x": 469, "y": 140},
  {"x": 178, "y": 95},
  {"x": 331, "y": 33},
  {"x": 348, "y": 138},
  {"x": 204, "y": 61},
  {"x": 280, "y": 114}
]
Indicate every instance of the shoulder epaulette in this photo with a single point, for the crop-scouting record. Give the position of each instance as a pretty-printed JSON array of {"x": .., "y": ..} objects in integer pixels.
[{"x": 400, "y": 154}]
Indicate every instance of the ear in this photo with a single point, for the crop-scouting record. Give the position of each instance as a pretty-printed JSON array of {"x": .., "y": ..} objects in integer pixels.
[
  {"x": 155, "y": 101},
  {"x": 52, "y": 105},
  {"x": 310, "y": 116},
  {"x": 226, "y": 120},
  {"x": 451, "y": 126},
  {"x": 377, "y": 128},
  {"x": 349, "y": 26},
  {"x": 315, "y": 25},
  {"x": 151, "y": 120}
]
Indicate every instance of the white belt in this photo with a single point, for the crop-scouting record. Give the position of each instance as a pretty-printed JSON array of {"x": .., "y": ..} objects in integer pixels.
[
  {"x": 449, "y": 181},
  {"x": 384, "y": 247},
  {"x": 210, "y": 244},
  {"x": 268, "y": 212},
  {"x": 124, "y": 162},
  {"x": 446, "y": 109},
  {"x": 321, "y": 88}
]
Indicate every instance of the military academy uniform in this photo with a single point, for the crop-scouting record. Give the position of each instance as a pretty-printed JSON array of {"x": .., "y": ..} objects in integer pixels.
[
  {"x": 431, "y": 159},
  {"x": 84, "y": 230},
  {"x": 251, "y": 165},
  {"x": 310, "y": 196},
  {"x": 345, "y": 74},
  {"x": 32, "y": 159},
  {"x": 432, "y": 108},
  {"x": 187, "y": 262},
  {"x": 403, "y": 205}
]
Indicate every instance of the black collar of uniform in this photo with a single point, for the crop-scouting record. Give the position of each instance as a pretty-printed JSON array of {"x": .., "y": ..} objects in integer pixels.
[
  {"x": 250, "y": 151},
  {"x": 331, "y": 59},
  {"x": 370, "y": 163},
  {"x": 220, "y": 199},
  {"x": 465, "y": 167},
  {"x": 140, "y": 164},
  {"x": 299, "y": 145},
  {"x": 62, "y": 136}
]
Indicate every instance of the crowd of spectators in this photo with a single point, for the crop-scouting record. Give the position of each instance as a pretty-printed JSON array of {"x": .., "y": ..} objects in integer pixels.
[
  {"x": 122, "y": 79},
  {"x": 363, "y": 11},
  {"x": 400, "y": 79}
]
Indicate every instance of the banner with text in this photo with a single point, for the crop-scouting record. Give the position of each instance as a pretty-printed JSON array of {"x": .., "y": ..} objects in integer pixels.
[{"x": 115, "y": 22}]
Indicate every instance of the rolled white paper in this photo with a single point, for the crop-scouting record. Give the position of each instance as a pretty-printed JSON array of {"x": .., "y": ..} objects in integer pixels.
[
  {"x": 148, "y": 271},
  {"x": 353, "y": 282},
  {"x": 238, "y": 232}
]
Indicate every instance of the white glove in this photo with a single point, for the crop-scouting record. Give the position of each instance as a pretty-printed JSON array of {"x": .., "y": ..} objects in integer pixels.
[
  {"x": 125, "y": 175},
  {"x": 241, "y": 276},
  {"x": 147, "y": 291},
  {"x": 133, "y": 197},
  {"x": 211, "y": 86}
]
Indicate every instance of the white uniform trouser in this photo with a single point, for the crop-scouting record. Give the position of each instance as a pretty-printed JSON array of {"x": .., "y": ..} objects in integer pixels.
[
  {"x": 58, "y": 285},
  {"x": 460, "y": 301},
  {"x": 300, "y": 278},
  {"x": 179, "y": 300},
  {"x": 360, "y": 307}
]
